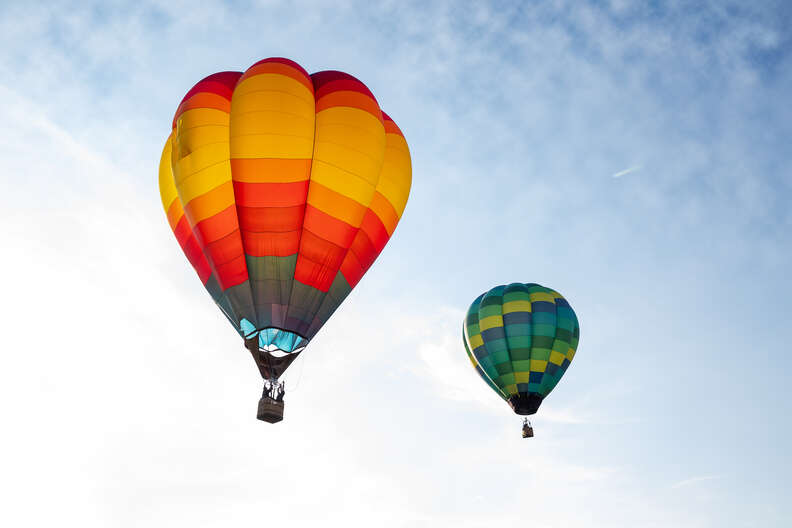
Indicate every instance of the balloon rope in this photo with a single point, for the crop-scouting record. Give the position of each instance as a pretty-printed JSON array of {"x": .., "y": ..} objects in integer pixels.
[{"x": 301, "y": 359}]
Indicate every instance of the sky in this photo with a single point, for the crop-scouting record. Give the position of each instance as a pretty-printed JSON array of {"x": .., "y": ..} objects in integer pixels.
[{"x": 631, "y": 155}]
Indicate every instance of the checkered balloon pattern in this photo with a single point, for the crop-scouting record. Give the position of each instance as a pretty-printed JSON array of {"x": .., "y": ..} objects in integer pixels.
[{"x": 521, "y": 339}]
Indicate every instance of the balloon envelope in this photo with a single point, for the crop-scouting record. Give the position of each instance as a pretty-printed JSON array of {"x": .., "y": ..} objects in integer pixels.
[
  {"x": 521, "y": 339},
  {"x": 282, "y": 188}
]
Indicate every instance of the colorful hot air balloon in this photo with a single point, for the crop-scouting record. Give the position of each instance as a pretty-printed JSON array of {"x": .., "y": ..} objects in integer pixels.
[
  {"x": 282, "y": 188},
  {"x": 521, "y": 338}
]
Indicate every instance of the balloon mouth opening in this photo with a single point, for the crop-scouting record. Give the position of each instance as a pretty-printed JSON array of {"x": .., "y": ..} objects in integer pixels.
[
  {"x": 278, "y": 353},
  {"x": 277, "y": 341},
  {"x": 525, "y": 403}
]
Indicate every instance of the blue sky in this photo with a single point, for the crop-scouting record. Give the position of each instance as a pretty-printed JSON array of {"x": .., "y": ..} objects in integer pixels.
[{"x": 634, "y": 158}]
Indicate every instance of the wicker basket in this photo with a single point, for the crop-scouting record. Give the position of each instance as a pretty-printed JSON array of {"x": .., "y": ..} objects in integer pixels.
[{"x": 270, "y": 410}]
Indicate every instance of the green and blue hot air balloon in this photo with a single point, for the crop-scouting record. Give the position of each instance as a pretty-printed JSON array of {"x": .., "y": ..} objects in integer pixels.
[{"x": 521, "y": 339}]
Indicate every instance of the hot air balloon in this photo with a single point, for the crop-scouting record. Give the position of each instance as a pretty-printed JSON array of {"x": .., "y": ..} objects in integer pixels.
[
  {"x": 282, "y": 188},
  {"x": 521, "y": 339}
]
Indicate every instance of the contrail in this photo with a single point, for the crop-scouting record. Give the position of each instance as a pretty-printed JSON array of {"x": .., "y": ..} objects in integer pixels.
[{"x": 627, "y": 171}]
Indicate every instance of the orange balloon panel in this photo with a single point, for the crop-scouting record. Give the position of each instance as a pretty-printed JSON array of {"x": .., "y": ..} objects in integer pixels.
[{"x": 282, "y": 188}]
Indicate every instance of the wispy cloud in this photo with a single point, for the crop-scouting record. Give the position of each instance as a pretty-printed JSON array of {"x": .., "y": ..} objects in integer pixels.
[
  {"x": 501, "y": 107},
  {"x": 443, "y": 363},
  {"x": 694, "y": 480}
]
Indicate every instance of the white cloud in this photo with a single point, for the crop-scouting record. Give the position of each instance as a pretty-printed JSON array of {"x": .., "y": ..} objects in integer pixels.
[
  {"x": 129, "y": 400},
  {"x": 694, "y": 480},
  {"x": 443, "y": 363}
]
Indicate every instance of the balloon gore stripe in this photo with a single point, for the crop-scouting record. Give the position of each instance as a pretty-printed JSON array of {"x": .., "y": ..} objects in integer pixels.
[
  {"x": 282, "y": 188},
  {"x": 521, "y": 339}
]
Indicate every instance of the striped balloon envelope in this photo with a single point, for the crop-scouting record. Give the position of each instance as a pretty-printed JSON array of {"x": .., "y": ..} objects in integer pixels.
[
  {"x": 521, "y": 339},
  {"x": 282, "y": 188}
]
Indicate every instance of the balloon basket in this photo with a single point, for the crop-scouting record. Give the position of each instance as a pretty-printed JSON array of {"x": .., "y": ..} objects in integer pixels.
[
  {"x": 270, "y": 410},
  {"x": 527, "y": 429}
]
